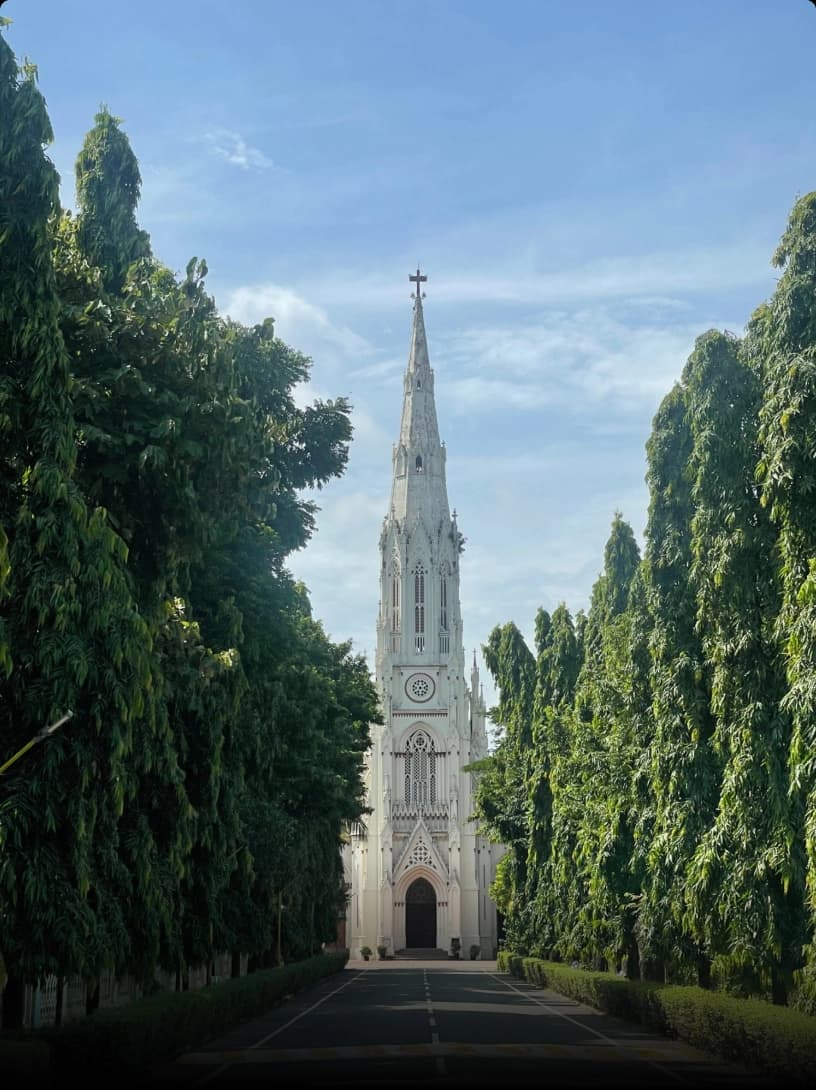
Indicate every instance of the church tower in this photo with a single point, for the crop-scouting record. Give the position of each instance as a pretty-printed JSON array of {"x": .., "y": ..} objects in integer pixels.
[{"x": 418, "y": 872}]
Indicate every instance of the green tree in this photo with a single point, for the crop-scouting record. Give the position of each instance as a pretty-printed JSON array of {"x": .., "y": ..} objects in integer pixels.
[
  {"x": 76, "y": 638},
  {"x": 784, "y": 332},
  {"x": 502, "y": 805},
  {"x": 562, "y": 663},
  {"x": 684, "y": 769},
  {"x": 599, "y": 848},
  {"x": 746, "y": 879},
  {"x": 150, "y": 496},
  {"x": 108, "y": 184}
]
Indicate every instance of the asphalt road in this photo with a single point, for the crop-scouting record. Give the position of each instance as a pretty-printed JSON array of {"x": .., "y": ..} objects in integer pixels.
[{"x": 448, "y": 1023}]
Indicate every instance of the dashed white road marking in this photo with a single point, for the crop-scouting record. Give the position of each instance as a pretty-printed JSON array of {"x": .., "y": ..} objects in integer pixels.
[
  {"x": 603, "y": 1048},
  {"x": 441, "y": 1067}
]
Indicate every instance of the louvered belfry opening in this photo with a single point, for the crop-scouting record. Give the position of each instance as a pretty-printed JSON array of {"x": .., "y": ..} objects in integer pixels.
[{"x": 420, "y": 916}]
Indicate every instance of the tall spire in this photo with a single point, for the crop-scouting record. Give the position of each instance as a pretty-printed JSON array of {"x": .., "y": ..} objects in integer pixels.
[
  {"x": 418, "y": 360},
  {"x": 419, "y": 457}
]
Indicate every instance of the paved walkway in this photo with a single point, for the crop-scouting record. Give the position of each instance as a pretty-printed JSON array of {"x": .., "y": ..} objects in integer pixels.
[{"x": 452, "y": 1023}]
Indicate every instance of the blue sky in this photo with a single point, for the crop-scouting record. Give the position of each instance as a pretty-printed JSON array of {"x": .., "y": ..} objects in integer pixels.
[{"x": 589, "y": 185}]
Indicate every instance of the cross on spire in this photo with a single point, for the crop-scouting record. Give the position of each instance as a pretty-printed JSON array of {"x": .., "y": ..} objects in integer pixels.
[{"x": 419, "y": 280}]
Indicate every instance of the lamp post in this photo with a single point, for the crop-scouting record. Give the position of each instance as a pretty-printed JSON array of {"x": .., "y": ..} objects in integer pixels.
[{"x": 37, "y": 738}]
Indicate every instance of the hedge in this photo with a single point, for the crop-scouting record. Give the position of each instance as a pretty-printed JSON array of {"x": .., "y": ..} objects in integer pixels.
[
  {"x": 777, "y": 1040},
  {"x": 125, "y": 1041}
]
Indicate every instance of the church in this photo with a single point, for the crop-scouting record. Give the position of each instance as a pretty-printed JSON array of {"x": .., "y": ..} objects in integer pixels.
[{"x": 417, "y": 872}]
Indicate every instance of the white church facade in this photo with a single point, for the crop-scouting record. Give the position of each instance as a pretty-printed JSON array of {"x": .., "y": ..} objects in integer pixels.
[{"x": 417, "y": 871}]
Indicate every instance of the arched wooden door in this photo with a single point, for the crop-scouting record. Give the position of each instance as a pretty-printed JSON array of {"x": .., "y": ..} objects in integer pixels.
[{"x": 420, "y": 915}]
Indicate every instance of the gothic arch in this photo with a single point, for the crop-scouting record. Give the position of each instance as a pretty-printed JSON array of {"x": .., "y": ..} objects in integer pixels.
[
  {"x": 395, "y": 594},
  {"x": 420, "y": 870},
  {"x": 401, "y": 739},
  {"x": 422, "y": 771},
  {"x": 445, "y": 606},
  {"x": 420, "y": 598},
  {"x": 440, "y": 888}
]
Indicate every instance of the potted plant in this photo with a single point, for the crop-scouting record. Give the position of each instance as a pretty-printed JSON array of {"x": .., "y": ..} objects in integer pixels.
[
  {"x": 456, "y": 946},
  {"x": 381, "y": 952},
  {"x": 475, "y": 950},
  {"x": 366, "y": 952}
]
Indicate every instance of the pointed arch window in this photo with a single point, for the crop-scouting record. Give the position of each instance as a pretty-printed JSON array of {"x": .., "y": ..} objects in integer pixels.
[
  {"x": 444, "y": 610},
  {"x": 418, "y": 463},
  {"x": 420, "y": 771},
  {"x": 419, "y": 609},
  {"x": 395, "y": 600}
]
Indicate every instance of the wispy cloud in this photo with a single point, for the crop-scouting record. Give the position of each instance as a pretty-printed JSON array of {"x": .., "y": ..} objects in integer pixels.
[
  {"x": 297, "y": 321},
  {"x": 662, "y": 278},
  {"x": 386, "y": 368},
  {"x": 233, "y": 148},
  {"x": 584, "y": 357}
]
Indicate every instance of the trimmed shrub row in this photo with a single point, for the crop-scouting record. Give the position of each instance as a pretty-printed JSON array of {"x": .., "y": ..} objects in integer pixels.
[
  {"x": 776, "y": 1040},
  {"x": 124, "y": 1041}
]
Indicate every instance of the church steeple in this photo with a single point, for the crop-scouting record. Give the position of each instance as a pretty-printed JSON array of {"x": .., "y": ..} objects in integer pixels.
[
  {"x": 420, "y": 619},
  {"x": 419, "y": 457},
  {"x": 418, "y": 834}
]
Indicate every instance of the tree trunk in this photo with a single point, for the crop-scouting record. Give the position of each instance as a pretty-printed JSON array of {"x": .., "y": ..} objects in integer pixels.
[
  {"x": 92, "y": 996},
  {"x": 633, "y": 962},
  {"x": 13, "y": 1003},
  {"x": 704, "y": 971},
  {"x": 653, "y": 969},
  {"x": 278, "y": 957},
  {"x": 236, "y": 964},
  {"x": 60, "y": 1001},
  {"x": 779, "y": 986}
]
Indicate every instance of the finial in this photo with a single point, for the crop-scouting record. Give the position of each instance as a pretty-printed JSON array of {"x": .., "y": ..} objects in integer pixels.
[{"x": 419, "y": 280}]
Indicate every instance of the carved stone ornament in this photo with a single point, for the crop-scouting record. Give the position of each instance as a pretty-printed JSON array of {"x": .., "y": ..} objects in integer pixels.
[{"x": 419, "y": 688}]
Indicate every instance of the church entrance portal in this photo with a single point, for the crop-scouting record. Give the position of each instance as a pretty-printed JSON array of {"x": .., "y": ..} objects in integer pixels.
[{"x": 420, "y": 915}]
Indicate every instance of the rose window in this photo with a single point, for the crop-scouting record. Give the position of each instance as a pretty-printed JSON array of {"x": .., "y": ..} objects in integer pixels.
[{"x": 420, "y": 688}]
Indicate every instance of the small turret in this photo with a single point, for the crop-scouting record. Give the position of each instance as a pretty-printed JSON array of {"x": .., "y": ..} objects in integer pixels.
[{"x": 474, "y": 678}]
